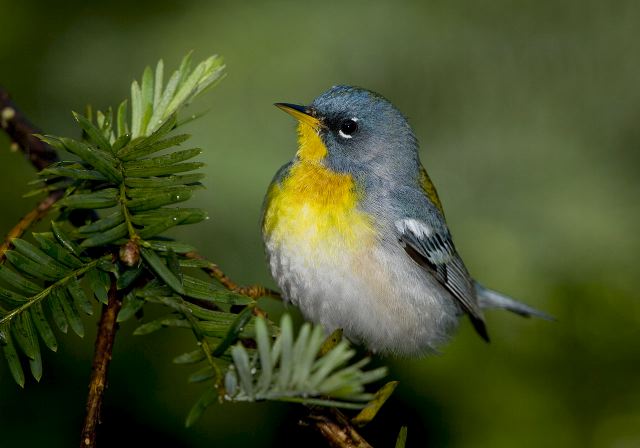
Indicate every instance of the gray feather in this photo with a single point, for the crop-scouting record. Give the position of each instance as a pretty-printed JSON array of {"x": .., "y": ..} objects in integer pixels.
[{"x": 488, "y": 298}]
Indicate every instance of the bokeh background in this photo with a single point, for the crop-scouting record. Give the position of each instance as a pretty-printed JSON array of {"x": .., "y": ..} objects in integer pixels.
[{"x": 529, "y": 118}]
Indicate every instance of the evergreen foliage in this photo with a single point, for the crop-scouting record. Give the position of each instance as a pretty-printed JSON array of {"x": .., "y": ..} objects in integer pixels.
[{"x": 129, "y": 173}]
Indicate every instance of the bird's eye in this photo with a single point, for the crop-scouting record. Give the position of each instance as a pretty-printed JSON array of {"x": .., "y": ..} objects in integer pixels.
[{"x": 348, "y": 128}]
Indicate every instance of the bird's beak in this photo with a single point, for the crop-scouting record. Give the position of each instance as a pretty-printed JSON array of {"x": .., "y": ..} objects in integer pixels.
[{"x": 300, "y": 113}]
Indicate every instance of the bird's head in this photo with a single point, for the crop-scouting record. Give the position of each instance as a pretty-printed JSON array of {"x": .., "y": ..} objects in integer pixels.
[{"x": 349, "y": 129}]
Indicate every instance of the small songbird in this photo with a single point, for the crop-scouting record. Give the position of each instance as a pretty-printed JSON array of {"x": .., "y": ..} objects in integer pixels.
[{"x": 355, "y": 234}]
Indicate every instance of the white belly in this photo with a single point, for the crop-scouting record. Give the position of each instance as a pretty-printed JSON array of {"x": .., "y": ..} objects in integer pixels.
[{"x": 377, "y": 295}]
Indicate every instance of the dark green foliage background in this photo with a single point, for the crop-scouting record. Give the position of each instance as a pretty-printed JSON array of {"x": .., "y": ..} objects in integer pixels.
[{"x": 529, "y": 118}]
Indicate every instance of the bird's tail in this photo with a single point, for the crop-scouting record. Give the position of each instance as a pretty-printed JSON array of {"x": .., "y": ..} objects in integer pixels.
[{"x": 488, "y": 298}]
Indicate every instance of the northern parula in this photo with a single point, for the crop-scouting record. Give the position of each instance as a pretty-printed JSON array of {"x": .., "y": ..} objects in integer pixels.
[{"x": 355, "y": 233}]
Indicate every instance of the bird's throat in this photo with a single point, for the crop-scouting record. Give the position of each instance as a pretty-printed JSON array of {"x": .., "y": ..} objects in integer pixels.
[{"x": 311, "y": 148}]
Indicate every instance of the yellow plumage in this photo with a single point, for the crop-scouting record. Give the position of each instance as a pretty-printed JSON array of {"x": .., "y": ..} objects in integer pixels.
[
  {"x": 429, "y": 189},
  {"x": 312, "y": 205}
]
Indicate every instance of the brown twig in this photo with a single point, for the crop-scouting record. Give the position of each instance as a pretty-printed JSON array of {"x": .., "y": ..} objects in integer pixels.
[
  {"x": 40, "y": 155},
  {"x": 28, "y": 220},
  {"x": 101, "y": 358},
  {"x": 335, "y": 427},
  {"x": 253, "y": 291},
  {"x": 20, "y": 131}
]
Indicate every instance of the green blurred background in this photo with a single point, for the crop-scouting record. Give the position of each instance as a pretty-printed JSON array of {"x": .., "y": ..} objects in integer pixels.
[{"x": 529, "y": 118}]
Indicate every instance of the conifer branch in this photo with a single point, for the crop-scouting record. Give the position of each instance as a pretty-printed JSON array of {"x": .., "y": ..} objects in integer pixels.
[
  {"x": 40, "y": 155},
  {"x": 34, "y": 300},
  {"x": 105, "y": 151}
]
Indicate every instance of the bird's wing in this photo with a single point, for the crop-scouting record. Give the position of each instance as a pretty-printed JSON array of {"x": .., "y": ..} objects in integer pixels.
[{"x": 426, "y": 239}]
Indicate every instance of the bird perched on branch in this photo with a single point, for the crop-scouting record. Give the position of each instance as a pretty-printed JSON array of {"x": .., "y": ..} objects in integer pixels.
[{"x": 355, "y": 233}]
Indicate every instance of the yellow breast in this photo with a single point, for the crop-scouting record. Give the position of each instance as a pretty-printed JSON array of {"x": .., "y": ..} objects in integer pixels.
[{"x": 313, "y": 205}]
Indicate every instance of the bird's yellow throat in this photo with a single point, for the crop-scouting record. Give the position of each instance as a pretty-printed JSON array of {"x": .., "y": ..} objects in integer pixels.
[
  {"x": 311, "y": 148},
  {"x": 313, "y": 205}
]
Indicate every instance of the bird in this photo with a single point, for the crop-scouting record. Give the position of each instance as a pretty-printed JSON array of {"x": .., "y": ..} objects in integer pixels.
[{"x": 355, "y": 234}]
